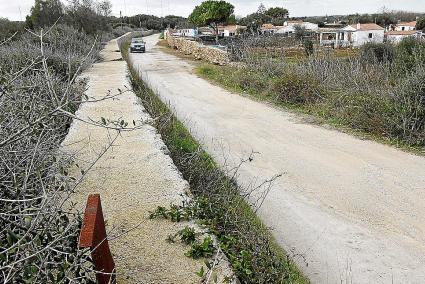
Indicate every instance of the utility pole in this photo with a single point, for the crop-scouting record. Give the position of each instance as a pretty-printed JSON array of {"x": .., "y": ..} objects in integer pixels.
[{"x": 20, "y": 12}]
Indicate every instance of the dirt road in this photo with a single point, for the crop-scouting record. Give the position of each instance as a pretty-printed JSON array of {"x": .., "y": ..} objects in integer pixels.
[{"x": 350, "y": 211}]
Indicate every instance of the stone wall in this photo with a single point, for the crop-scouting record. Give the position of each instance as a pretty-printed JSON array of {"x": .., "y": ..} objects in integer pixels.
[{"x": 199, "y": 51}]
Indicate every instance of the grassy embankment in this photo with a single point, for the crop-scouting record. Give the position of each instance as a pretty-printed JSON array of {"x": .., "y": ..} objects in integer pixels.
[
  {"x": 355, "y": 91},
  {"x": 247, "y": 242}
]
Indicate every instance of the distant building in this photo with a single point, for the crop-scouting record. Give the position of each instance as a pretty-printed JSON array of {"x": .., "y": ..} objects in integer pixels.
[
  {"x": 288, "y": 27},
  {"x": 352, "y": 35},
  {"x": 306, "y": 25},
  {"x": 207, "y": 31},
  {"x": 406, "y": 26},
  {"x": 335, "y": 37},
  {"x": 185, "y": 32},
  {"x": 231, "y": 30},
  {"x": 336, "y": 25},
  {"x": 397, "y": 36},
  {"x": 364, "y": 33},
  {"x": 287, "y": 30},
  {"x": 268, "y": 29}
]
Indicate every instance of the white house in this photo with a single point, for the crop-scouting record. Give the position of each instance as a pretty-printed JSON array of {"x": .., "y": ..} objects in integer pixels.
[
  {"x": 335, "y": 37},
  {"x": 231, "y": 30},
  {"x": 285, "y": 30},
  {"x": 406, "y": 26},
  {"x": 185, "y": 32},
  {"x": 306, "y": 25},
  {"x": 397, "y": 36},
  {"x": 207, "y": 31},
  {"x": 288, "y": 27},
  {"x": 268, "y": 29},
  {"x": 353, "y": 35},
  {"x": 364, "y": 33}
]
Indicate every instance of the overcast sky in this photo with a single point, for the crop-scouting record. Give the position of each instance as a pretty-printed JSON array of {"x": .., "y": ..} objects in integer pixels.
[{"x": 18, "y": 9}]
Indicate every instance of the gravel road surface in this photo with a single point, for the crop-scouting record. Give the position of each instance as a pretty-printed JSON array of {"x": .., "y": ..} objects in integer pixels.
[{"x": 349, "y": 210}]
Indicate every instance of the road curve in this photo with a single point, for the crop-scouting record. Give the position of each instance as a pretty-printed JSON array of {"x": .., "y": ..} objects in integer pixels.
[{"x": 349, "y": 210}]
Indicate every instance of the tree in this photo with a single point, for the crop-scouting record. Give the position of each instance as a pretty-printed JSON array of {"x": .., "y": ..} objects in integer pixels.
[
  {"x": 261, "y": 9},
  {"x": 300, "y": 32},
  {"x": 232, "y": 20},
  {"x": 211, "y": 13},
  {"x": 44, "y": 13},
  {"x": 85, "y": 15},
  {"x": 277, "y": 15},
  {"x": 420, "y": 24},
  {"x": 104, "y": 8},
  {"x": 255, "y": 21},
  {"x": 9, "y": 28},
  {"x": 277, "y": 12}
]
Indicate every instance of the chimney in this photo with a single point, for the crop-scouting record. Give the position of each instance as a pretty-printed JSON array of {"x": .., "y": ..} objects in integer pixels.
[{"x": 358, "y": 26}]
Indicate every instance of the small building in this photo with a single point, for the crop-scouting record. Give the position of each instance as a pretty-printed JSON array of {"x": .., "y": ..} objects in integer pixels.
[
  {"x": 185, "y": 32},
  {"x": 231, "y": 30},
  {"x": 397, "y": 36},
  {"x": 406, "y": 26},
  {"x": 365, "y": 33},
  {"x": 335, "y": 37},
  {"x": 306, "y": 25},
  {"x": 285, "y": 30},
  {"x": 352, "y": 35},
  {"x": 206, "y": 31},
  {"x": 268, "y": 29}
]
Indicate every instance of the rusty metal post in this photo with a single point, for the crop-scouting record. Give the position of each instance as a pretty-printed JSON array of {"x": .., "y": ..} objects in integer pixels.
[{"x": 93, "y": 236}]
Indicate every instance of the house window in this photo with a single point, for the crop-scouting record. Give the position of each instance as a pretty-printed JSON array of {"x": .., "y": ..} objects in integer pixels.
[
  {"x": 370, "y": 35},
  {"x": 402, "y": 28}
]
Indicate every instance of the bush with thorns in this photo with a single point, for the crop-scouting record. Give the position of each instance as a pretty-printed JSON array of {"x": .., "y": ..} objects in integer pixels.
[{"x": 38, "y": 92}]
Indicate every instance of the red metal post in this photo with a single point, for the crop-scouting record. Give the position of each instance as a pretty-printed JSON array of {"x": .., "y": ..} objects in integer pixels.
[{"x": 93, "y": 236}]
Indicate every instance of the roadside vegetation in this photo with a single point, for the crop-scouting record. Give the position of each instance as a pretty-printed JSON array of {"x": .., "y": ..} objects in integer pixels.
[
  {"x": 218, "y": 203},
  {"x": 40, "y": 61},
  {"x": 378, "y": 91},
  {"x": 38, "y": 95}
]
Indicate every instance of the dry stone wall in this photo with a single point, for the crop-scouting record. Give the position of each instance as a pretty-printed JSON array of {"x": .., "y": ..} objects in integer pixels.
[{"x": 199, "y": 51}]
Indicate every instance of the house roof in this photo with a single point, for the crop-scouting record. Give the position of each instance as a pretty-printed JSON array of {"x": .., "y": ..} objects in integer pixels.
[
  {"x": 407, "y": 24},
  {"x": 268, "y": 26},
  {"x": 401, "y": 33},
  {"x": 232, "y": 28},
  {"x": 367, "y": 27}
]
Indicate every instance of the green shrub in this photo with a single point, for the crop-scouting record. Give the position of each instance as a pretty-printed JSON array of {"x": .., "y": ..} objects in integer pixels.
[
  {"x": 377, "y": 53},
  {"x": 296, "y": 89},
  {"x": 360, "y": 110},
  {"x": 409, "y": 102},
  {"x": 202, "y": 249},
  {"x": 249, "y": 81},
  {"x": 308, "y": 47},
  {"x": 410, "y": 54}
]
